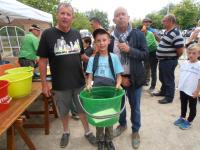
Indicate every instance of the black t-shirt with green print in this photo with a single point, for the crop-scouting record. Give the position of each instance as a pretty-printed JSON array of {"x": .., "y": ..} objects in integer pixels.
[{"x": 63, "y": 49}]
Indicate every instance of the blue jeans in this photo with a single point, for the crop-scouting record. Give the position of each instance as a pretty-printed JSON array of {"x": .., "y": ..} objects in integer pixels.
[{"x": 134, "y": 96}]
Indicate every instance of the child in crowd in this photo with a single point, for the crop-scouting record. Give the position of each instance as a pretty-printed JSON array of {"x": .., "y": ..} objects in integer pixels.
[
  {"x": 105, "y": 70},
  {"x": 189, "y": 86},
  {"x": 87, "y": 41}
]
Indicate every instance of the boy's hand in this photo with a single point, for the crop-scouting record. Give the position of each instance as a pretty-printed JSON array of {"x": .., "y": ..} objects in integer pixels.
[
  {"x": 118, "y": 87},
  {"x": 195, "y": 94},
  {"x": 88, "y": 87}
]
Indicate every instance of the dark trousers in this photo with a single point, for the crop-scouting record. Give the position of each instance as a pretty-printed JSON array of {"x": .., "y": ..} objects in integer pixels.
[
  {"x": 147, "y": 70},
  {"x": 166, "y": 76},
  {"x": 104, "y": 136},
  {"x": 185, "y": 99},
  {"x": 26, "y": 62},
  {"x": 153, "y": 61}
]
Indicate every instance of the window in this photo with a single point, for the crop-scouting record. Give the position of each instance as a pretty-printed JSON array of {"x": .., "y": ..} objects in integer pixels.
[{"x": 10, "y": 40}]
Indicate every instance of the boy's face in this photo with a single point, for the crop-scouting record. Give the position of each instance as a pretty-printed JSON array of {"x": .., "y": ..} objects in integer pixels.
[
  {"x": 193, "y": 55},
  {"x": 102, "y": 41}
]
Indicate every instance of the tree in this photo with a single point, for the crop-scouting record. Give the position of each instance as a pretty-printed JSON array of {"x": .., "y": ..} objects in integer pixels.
[
  {"x": 81, "y": 21},
  {"x": 48, "y": 6},
  {"x": 157, "y": 17},
  {"x": 102, "y": 16},
  {"x": 187, "y": 13},
  {"x": 136, "y": 23}
]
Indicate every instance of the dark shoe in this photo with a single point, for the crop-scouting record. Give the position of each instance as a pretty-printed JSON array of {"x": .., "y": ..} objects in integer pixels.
[
  {"x": 101, "y": 145},
  {"x": 135, "y": 140},
  {"x": 64, "y": 140},
  {"x": 158, "y": 94},
  {"x": 118, "y": 131},
  {"x": 164, "y": 101},
  {"x": 91, "y": 138},
  {"x": 110, "y": 145}
]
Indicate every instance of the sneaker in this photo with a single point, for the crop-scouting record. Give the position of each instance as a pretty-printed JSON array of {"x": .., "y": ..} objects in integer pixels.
[
  {"x": 91, "y": 138},
  {"x": 118, "y": 131},
  {"x": 64, "y": 140},
  {"x": 110, "y": 145},
  {"x": 179, "y": 121},
  {"x": 185, "y": 125},
  {"x": 135, "y": 140},
  {"x": 101, "y": 145}
]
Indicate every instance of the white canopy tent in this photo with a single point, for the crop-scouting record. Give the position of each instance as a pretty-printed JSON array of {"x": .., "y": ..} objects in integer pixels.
[
  {"x": 12, "y": 9},
  {"x": 12, "y": 14}
]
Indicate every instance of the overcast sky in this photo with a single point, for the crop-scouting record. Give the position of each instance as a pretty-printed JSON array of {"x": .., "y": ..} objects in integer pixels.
[{"x": 136, "y": 8}]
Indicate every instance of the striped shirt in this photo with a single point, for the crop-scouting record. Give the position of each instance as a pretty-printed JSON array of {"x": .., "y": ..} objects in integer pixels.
[{"x": 169, "y": 43}]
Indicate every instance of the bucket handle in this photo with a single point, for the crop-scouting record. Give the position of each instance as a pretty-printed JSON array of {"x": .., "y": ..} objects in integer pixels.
[{"x": 106, "y": 116}]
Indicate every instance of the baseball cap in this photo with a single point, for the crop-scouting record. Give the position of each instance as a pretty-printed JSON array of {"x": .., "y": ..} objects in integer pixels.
[
  {"x": 34, "y": 26},
  {"x": 147, "y": 20},
  {"x": 100, "y": 31}
]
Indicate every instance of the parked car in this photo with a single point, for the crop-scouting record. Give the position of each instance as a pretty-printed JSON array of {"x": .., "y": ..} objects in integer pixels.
[
  {"x": 189, "y": 31},
  {"x": 85, "y": 33}
]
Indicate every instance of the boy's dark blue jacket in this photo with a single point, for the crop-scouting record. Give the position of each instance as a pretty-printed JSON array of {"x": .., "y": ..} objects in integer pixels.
[{"x": 138, "y": 52}]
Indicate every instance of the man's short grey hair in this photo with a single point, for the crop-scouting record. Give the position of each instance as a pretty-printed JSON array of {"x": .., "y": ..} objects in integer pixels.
[
  {"x": 120, "y": 8},
  {"x": 171, "y": 18},
  {"x": 65, "y": 4}
]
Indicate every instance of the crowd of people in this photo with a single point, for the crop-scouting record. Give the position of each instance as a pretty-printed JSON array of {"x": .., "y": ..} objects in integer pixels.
[{"x": 126, "y": 58}]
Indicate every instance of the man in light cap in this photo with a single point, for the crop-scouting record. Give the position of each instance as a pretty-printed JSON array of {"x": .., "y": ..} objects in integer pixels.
[
  {"x": 29, "y": 46},
  {"x": 130, "y": 46},
  {"x": 148, "y": 22}
]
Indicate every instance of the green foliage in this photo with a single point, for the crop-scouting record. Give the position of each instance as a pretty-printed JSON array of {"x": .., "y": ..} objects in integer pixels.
[
  {"x": 136, "y": 23},
  {"x": 156, "y": 18},
  {"x": 187, "y": 13},
  {"x": 81, "y": 22},
  {"x": 102, "y": 16},
  {"x": 48, "y": 6}
]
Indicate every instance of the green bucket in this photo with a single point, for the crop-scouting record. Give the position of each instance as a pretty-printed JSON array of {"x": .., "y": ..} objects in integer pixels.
[{"x": 102, "y": 105}]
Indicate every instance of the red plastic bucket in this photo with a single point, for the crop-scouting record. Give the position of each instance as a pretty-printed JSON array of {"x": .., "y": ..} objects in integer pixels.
[
  {"x": 4, "y": 103},
  {"x": 4, "y": 98},
  {"x": 3, "y": 88}
]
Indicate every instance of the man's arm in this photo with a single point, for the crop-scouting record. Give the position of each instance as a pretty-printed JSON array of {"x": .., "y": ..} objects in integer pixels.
[
  {"x": 43, "y": 74},
  {"x": 118, "y": 81},
  {"x": 179, "y": 51}
]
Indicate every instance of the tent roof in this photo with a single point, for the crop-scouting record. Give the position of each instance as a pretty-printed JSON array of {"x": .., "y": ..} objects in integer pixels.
[{"x": 12, "y": 9}]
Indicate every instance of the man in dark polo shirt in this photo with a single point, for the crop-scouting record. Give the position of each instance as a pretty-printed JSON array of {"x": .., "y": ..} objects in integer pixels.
[{"x": 169, "y": 50}]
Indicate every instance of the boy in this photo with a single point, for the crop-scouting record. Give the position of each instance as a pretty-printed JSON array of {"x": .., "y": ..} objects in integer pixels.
[
  {"x": 189, "y": 86},
  {"x": 104, "y": 69}
]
